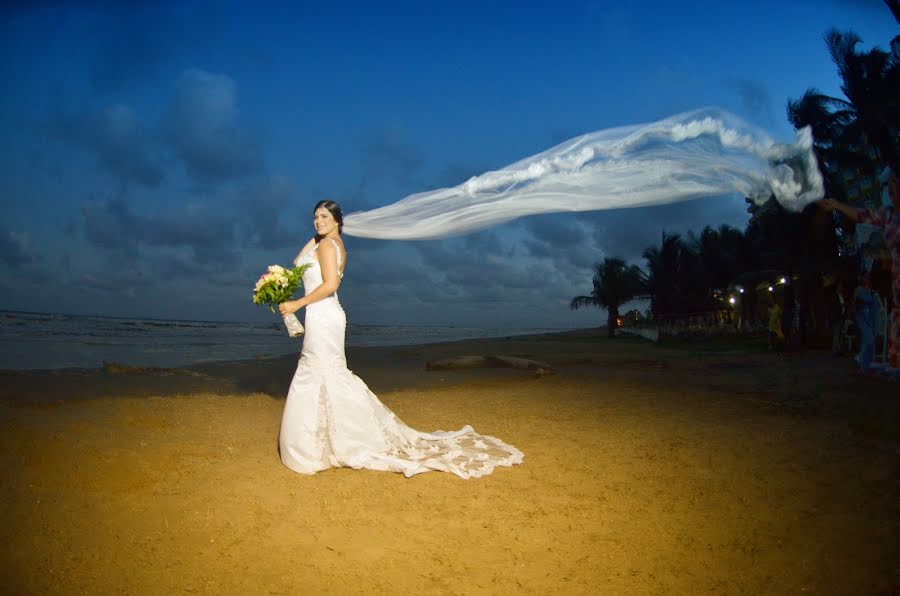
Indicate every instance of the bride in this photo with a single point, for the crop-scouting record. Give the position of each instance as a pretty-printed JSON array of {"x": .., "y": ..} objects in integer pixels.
[{"x": 331, "y": 418}]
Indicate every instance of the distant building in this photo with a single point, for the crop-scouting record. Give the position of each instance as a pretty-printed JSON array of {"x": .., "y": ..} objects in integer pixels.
[{"x": 632, "y": 317}]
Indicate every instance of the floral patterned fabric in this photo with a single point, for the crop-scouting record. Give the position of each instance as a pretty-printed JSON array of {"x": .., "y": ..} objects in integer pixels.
[{"x": 889, "y": 220}]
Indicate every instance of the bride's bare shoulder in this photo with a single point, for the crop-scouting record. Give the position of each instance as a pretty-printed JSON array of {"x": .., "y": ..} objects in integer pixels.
[{"x": 336, "y": 246}]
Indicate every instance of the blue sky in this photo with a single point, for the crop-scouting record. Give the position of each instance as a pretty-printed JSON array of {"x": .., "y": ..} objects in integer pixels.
[{"x": 155, "y": 157}]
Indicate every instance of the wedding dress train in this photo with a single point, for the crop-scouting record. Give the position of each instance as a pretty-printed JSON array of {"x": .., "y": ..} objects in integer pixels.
[{"x": 332, "y": 419}]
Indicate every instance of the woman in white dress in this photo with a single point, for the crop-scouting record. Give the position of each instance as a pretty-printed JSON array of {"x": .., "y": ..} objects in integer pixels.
[{"x": 331, "y": 418}]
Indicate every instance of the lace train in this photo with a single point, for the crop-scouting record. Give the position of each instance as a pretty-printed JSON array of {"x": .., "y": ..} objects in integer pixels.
[{"x": 313, "y": 438}]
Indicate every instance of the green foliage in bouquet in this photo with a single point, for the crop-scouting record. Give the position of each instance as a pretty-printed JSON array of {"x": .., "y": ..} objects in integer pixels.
[{"x": 277, "y": 285}]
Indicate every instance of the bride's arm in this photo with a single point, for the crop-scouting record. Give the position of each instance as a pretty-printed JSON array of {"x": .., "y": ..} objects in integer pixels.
[{"x": 327, "y": 255}]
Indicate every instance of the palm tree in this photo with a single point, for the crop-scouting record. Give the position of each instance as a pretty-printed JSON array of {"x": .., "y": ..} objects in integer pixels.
[
  {"x": 803, "y": 247},
  {"x": 721, "y": 255},
  {"x": 615, "y": 283},
  {"x": 667, "y": 277},
  {"x": 868, "y": 117},
  {"x": 838, "y": 138},
  {"x": 870, "y": 81},
  {"x": 894, "y": 7}
]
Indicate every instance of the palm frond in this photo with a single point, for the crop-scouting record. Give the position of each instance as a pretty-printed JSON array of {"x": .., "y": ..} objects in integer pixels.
[{"x": 583, "y": 302}]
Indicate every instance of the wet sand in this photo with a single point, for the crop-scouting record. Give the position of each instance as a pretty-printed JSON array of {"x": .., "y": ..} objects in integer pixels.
[{"x": 688, "y": 468}]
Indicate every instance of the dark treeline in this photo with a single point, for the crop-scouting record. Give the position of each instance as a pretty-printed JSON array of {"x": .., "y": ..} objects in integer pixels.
[{"x": 702, "y": 272}]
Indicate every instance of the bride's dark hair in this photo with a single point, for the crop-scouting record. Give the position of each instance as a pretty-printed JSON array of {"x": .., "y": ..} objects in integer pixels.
[{"x": 334, "y": 209}]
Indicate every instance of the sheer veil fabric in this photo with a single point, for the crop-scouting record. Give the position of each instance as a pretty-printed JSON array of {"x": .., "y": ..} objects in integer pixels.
[
  {"x": 332, "y": 419},
  {"x": 702, "y": 153}
]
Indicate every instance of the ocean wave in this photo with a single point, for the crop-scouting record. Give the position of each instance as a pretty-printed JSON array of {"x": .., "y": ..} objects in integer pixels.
[{"x": 31, "y": 341}]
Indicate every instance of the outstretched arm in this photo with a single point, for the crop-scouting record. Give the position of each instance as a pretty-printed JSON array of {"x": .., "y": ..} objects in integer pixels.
[
  {"x": 835, "y": 205},
  {"x": 327, "y": 255}
]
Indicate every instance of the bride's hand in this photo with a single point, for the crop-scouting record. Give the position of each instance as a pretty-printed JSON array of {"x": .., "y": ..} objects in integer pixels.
[
  {"x": 286, "y": 308},
  {"x": 826, "y": 204}
]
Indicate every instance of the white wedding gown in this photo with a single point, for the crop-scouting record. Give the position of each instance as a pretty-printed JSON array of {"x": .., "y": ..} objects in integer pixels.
[{"x": 332, "y": 419}]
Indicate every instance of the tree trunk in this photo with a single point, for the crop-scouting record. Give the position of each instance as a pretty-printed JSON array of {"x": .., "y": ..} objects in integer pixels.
[{"x": 612, "y": 321}]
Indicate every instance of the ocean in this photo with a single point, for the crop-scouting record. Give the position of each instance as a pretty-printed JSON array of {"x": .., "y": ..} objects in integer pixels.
[{"x": 30, "y": 341}]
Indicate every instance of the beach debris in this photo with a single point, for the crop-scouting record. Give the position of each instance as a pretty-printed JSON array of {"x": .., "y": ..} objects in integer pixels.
[
  {"x": 651, "y": 333},
  {"x": 541, "y": 369},
  {"x": 115, "y": 368}
]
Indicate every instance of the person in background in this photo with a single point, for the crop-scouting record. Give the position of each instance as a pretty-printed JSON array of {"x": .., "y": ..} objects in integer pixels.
[
  {"x": 888, "y": 218},
  {"x": 865, "y": 306},
  {"x": 787, "y": 316},
  {"x": 836, "y": 315},
  {"x": 776, "y": 335}
]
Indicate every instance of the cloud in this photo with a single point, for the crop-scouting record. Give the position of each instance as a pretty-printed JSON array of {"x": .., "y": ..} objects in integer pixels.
[
  {"x": 110, "y": 225},
  {"x": 373, "y": 269},
  {"x": 208, "y": 233},
  {"x": 160, "y": 261},
  {"x": 390, "y": 166},
  {"x": 270, "y": 216},
  {"x": 755, "y": 98},
  {"x": 389, "y": 155},
  {"x": 490, "y": 242},
  {"x": 202, "y": 127},
  {"x": 116, "y": 138},
  {"x": 556, "y": 230},
  {"x": 121, "y": 282},
  {"x": 489, "y": 266},
  {"x": 15, "y": 249},
  {"x": 626, "y": 233},
  {"x": 564, "y": 237}
]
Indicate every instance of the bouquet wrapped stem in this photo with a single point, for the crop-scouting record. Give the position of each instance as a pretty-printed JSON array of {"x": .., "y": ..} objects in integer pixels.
[
  {"x": 277, "y": 285},
  {"x": 293, "y": 324}
]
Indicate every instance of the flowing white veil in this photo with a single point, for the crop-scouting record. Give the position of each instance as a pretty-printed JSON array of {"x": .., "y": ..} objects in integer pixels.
[{"x": 703, "y": 153}]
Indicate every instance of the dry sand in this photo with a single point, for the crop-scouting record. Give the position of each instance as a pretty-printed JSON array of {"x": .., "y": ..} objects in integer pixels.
[{"x": 693, "y": 469}]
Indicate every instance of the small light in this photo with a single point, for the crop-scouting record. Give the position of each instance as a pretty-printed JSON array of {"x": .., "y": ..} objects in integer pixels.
[
  {"x": 782, "y": 281},
  {"x": 731, "y": 299},
  {"x": 741, "y": 290},
  {"x": 771, "y": 289}
]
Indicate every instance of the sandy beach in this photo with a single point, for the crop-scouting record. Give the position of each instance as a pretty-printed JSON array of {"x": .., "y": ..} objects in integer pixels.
[{"x": 683, "y": 468}]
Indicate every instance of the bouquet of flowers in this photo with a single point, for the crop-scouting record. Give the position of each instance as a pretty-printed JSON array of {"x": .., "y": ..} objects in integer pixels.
[{"x": 277, "y": 285}]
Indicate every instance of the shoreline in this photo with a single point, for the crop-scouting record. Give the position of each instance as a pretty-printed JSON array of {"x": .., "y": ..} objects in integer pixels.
[
  {"x": 47, "y": 341},
  {"x": 405, "y": 363}
]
